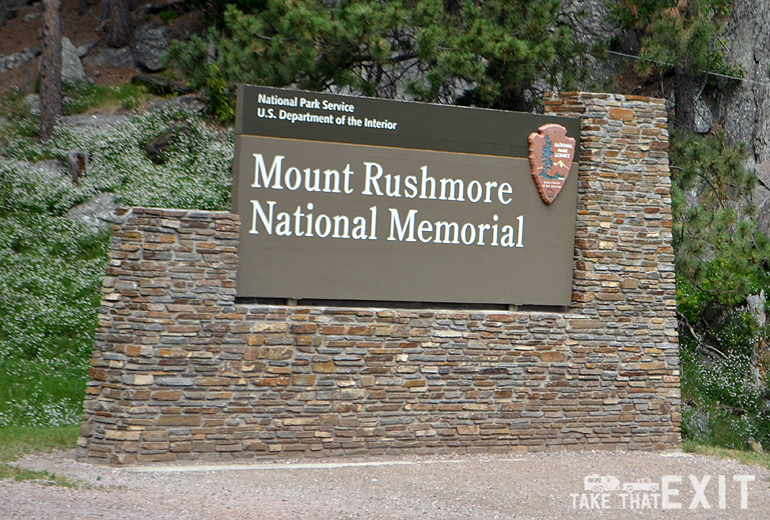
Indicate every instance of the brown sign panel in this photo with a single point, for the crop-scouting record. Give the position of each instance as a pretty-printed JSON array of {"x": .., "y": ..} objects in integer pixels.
[{"x": 366, "y": 199}]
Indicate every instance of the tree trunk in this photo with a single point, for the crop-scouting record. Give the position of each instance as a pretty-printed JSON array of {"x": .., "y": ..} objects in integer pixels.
[
  {"x": 120, "y": 26},
  {"x": 685, "y": 91},
  {"x": 452, "y": 6},
  {"x": 104, "y": 11},
  {"x": 50, "y": 69}
]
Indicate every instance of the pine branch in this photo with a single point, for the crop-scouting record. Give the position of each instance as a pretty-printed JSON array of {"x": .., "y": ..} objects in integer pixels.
[{"x": 698, "y": 339}]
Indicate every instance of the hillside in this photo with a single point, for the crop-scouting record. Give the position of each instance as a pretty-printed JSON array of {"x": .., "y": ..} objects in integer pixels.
[{"x": 21, "y": 40}]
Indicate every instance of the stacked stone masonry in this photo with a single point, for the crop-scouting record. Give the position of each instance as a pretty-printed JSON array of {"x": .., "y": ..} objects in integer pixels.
[{"x": 181, "y": 372}]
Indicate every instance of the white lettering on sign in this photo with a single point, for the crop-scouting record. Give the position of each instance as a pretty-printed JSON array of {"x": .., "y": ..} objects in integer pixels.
[
  {"x": 292, "y": 177},
  {"x": 404, "y": 225},
  {"x": 425, "y": 186},
  {"x": 442, "y": 232},
  {"x": 304, "y": 223}
]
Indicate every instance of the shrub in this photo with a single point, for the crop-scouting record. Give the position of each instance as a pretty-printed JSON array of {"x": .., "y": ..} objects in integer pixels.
[
  {"x": 722, "y": 403},
  {"x": 51, "y": 266}
]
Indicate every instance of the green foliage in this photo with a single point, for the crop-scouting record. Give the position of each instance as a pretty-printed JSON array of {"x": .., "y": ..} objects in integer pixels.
[
  {"x": 744, "y": 457},
  {"x": 720, "y": 259},
  {"x": 195, "y": 173},
  {"x": 168, "y": 15},
  {"x": 83, "y": 96},
  {"x": 682, "y": 47},
  {"x": 718, "y": 248},
  {"x": 51, "y": 266},
  {"x": 491, "y": 53},
  {"x": 678, "y": 35},
  {"x": 215, "y": 9},
  {"x": 721, "y": 406},
  {"x": 29, "y": 190},
  {"x": 22, "y": 124},
  {"x": 44, "y": 391},
  {"x": 220, "y": 99},
  {"x": 49, "y": 295},
  {"x": 15, "y": 442}
]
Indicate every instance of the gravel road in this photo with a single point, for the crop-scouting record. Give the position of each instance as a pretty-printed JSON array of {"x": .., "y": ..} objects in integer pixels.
[{"x": 479, "y": 487}]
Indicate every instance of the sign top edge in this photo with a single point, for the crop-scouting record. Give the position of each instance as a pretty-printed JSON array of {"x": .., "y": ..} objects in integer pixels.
[{"x": 331, "y": 117}]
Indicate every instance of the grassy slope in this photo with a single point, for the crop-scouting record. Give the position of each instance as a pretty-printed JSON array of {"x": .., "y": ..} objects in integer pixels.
[{"x": 52, "y": 266}]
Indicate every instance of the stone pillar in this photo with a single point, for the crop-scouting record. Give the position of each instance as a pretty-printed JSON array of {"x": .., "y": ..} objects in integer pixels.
[
  {"x": 167, "y": 299},
  {"x": 624, "y": 258}
]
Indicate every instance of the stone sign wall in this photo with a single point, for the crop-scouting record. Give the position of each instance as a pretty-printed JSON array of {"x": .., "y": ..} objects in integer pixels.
[{"x": 182, "y": 372}]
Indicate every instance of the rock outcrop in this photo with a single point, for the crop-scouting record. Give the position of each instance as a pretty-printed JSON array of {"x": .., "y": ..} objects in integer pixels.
[{"x": 744, "y": 111}]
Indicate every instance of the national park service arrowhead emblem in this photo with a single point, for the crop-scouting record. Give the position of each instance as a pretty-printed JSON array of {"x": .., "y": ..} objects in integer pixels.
[{"x": 550, "y": 155}]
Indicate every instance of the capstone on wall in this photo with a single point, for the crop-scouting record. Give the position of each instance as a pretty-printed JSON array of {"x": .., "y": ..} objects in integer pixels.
[{"x": 182, "y": 372}]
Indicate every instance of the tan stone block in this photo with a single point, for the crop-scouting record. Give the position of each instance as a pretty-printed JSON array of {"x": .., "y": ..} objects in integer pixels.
[
  {"x": 629, "y": 283},
  {"x": 304, "y": 380},
  {"x": 324, "y": 367},
  {"x": 273, "y": 381},
  {"x": 381, "y": 330},
  {"x": 251, "y": 366},
  {"x": 171, "y": 353},
  {"x": 179, "y": 420},
  {"x": 167, "y": 395},
  {"x": 351, "y": 394},
  {"x": 336, "y": 330},
  {"x": 156, "y": 457},
  {"x": 622, "y": 114},
  {"x": 212, "y": 381},
  {"x": 447, "y": 333},
  {"x": 267, "y": 327},
  {"x": 98, "y": 374},
  {"x": 132, "y": 350},
  {"x": 143, "y": 379},
  {"x": 154, "y": 446},
  {"x": 230, "y": 368},
  {"x": 155, "y": 436},
  {"x": 250, "y": 354},
  {"x": 255, "y": 339},
  {"x": 123, "y": 435},
  {"x": 552, "y": 357},
  {"x": 585, "y": 323},
  {"x": 181, "y": 447},
  {"x": 277, "y": 352},
  {"x": 301, "y": 421},
  {"x": 304, "y": 328},
  {"x": 610, "y": 296},
  {"x": 476, "y": 406}
]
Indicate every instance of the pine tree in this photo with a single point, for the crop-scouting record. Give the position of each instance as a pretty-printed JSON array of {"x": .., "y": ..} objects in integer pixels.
[
  {"x": 494, "y": 54},
  {"x": 681, "y": 37},
  {"x": 718, "y": 247}
]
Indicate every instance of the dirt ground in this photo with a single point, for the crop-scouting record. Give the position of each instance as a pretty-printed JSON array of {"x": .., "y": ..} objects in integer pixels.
[{"x": 478, "y": 487}]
